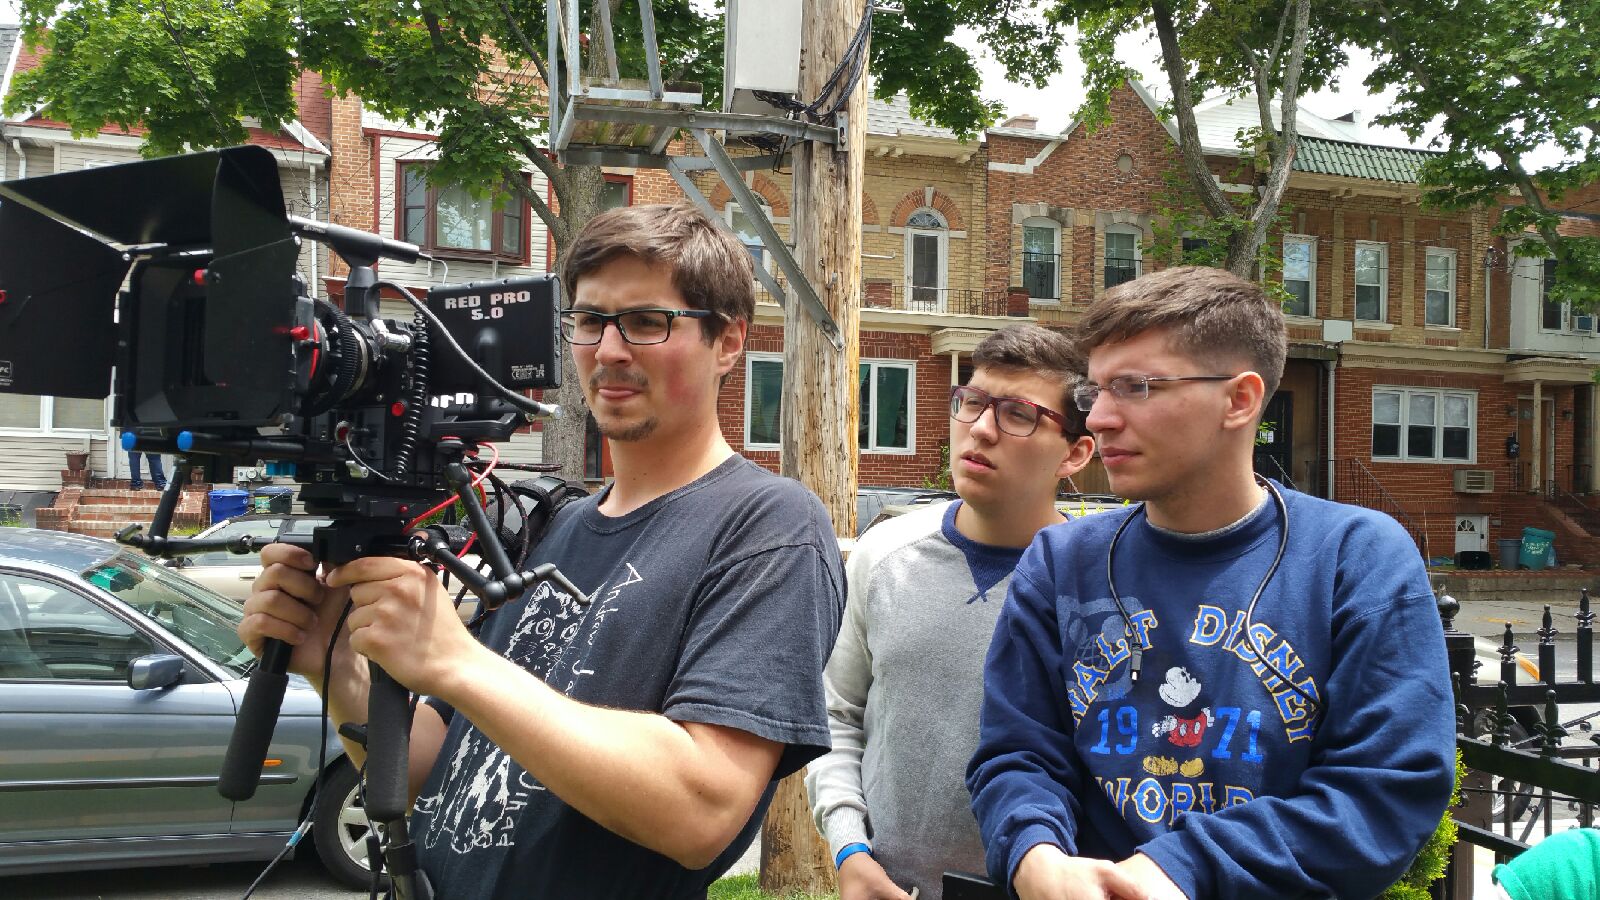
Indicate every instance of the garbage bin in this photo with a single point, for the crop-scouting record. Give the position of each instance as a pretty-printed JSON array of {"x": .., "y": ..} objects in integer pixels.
[
  {"x": 1509, "y": 548},
  {"x": 227, "y": 503},
  {"x": 1537, "y": 546},
  {"x": 272, "y": 499}
]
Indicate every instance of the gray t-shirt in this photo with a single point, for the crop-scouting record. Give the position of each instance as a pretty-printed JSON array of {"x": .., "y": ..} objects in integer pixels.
[{"x": 717, "y": 603}]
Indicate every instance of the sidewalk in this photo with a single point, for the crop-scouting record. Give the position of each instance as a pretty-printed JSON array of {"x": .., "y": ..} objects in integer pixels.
[{"x": 1488, "y": 618}]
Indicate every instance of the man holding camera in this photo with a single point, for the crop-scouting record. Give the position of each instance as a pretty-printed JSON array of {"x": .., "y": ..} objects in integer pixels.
[
  {"x": 1231, "y": 690},
  {"x": 906, "y": 678},
  {"x": 627, "y": 746}
]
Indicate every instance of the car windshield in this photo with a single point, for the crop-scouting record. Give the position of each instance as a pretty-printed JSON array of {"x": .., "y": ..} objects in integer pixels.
[{"x": 203, "y": 620}]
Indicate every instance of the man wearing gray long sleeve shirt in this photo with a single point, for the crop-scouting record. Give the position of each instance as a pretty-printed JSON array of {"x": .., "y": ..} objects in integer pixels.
[{"x": 905, "y": 680}]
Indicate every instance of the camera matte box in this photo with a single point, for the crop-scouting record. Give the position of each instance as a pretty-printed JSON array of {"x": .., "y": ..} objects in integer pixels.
[{"x": 510, "y": 327}]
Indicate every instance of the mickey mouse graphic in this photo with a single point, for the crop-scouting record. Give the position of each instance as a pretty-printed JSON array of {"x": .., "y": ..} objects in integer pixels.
[{"x": 1179, "y": 691}]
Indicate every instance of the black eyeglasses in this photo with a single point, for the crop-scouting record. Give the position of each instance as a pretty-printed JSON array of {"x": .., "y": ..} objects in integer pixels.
[
  {"x": 1131, "y": 387},
  {"x": 1013, "y": 415},
  {"x": 637, "y": 326}
]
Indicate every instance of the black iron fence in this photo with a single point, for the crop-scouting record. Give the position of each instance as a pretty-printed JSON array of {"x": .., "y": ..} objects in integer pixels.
[
  {"x": 1524, "y": 763},
  {"x": 1120, "y": 270},
  {"x": 958, "y": 301},
  {"x": 1041, "y": 275}
]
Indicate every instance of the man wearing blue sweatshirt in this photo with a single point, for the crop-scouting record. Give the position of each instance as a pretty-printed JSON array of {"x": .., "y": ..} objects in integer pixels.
[{"x": 1233, "y": 690}]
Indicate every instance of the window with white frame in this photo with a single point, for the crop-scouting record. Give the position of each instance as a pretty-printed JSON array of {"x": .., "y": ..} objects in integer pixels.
[
  {"x": 32, "y": 412},
  {"x": 1300, "y": 275},
  {"x": 1558, "y": 316},
  {"x": 1372, "y": 281},
  {"x": 1041, "y": 258},
  {"x": 927, "y": 248},
  {"x": 1414, "y": 425},
  {"x": 887, "y": 406},
  {"x": 1122, "y": 254},
  {"x": 1440, "y": 286},
  {"x": 763, "y": 400}
]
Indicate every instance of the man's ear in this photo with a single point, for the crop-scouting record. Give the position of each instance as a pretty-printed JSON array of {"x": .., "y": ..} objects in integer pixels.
[
  {"x": 729, "y": 344},
  {"x": 1076, "y": 457},
  {"x": 1247, "y": 395}
]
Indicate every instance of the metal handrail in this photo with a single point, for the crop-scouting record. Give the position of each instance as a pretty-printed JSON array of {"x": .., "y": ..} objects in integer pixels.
[{"x": 1354, "y": 467}]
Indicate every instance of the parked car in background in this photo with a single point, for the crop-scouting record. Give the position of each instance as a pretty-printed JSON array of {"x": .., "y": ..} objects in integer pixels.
[
  {"x": 119, "y": 681},
  {"x": 232, "y": 574}
]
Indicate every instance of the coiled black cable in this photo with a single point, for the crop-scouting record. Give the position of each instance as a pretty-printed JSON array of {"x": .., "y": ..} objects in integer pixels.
[{"x": 416, "y": 399}]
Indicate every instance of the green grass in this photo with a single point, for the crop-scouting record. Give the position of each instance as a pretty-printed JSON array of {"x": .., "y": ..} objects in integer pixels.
[{"x": 747, "y": 887}]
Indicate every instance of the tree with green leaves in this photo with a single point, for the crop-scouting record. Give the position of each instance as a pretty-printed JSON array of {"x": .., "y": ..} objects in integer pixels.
[
  {"x": 473, "y": 72},
  {"x": 1502, "y": 79},
  {"x": 1273, "y": 49}
]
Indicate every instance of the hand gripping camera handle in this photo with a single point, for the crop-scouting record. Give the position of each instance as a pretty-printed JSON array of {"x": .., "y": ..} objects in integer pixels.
[
  {"x": 388, "y": 797},
  {"x": 258, "y": 716}
]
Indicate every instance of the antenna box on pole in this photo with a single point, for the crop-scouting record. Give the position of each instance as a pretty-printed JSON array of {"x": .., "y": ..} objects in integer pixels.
[{"x": 761, "y": 52}]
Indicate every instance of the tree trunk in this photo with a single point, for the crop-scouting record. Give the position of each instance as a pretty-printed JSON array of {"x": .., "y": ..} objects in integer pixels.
[
  {"x": 578, "y": 189},
  {"x": 821, "y": 400}
]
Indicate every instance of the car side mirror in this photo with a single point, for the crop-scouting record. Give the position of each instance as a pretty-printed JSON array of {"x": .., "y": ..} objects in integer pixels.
[{"x": 155, "y": 672}]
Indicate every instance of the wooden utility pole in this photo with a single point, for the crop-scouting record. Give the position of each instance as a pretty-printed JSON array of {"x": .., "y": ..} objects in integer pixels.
[{"x": 820, "y": 393}]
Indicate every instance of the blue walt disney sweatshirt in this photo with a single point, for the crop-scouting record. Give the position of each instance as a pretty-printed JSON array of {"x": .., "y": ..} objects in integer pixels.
[{"x": 1211, "y": 765}]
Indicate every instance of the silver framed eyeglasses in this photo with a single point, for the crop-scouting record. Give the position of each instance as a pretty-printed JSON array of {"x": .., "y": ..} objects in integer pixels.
[
  {"x": 1131, "y": 387},
  {"x": 637, "y": 326},
  {"x": 1013, "y": 415}
]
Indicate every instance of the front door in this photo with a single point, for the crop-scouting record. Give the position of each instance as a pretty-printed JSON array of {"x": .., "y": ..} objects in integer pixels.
[
  {"x": 1275, "y": 441},
  {"x": 1472, "y": 533},
  {"x": 1547, "y": 423}
]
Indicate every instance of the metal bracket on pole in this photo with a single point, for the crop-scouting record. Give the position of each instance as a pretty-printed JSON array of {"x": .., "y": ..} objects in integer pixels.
[
  {"x": 692, "y": 191},
  {"x": 769, "y": 238},
  {"x": 652, "y": 56},
  {"x": 552, "y": 40}
]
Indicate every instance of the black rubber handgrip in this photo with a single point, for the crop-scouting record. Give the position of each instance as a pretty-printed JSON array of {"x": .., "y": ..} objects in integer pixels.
[
  {"x": 388, "y": 748},
  {"x": 258, "y": 717}
]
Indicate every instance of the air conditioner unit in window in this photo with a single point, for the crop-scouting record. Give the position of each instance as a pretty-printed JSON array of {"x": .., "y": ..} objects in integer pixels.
[{"x": 1474, "y": 481}]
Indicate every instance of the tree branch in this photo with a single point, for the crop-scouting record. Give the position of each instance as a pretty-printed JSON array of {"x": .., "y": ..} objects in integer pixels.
[
  {"x": 535, "y": 155},
  {"x": 1189, "y": 148},
  {"x": 432, "y": 22},
  {"x": 1266, "y": 211},
  {"x": 527, "y": 47}
]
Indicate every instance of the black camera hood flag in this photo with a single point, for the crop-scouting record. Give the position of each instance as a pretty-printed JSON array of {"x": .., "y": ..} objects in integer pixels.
[{"x": 62, "y": 239}]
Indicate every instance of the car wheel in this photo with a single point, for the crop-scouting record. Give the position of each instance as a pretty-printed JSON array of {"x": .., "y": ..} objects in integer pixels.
[
  {"x": 341, "y": 828},
  {"x": 1518, "y": 794}
]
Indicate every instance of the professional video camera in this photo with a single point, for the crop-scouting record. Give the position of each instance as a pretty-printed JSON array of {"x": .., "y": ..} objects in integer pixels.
[{"x": 172, "y": 284}]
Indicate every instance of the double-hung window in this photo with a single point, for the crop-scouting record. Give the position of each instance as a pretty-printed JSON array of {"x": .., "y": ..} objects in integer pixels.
[
  {"x": 52, "y": 414},
  {"x": 1300, "y": 275},
  {"x": 451, "y": 221},
  {"x": 1423, "y": 425},
  {"x": 888, "y": 404},
  {"x": 1372, "y": 281},
  {"x": 886, "y": 423},
  {"x": 1440, "y": 286}
]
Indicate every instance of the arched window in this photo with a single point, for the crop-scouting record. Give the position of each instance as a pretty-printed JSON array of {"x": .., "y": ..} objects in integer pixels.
[{"x": 927, "y": 247}]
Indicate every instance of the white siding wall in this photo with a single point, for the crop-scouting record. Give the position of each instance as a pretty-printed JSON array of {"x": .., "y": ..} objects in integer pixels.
[{"x": 35, "y": 463}]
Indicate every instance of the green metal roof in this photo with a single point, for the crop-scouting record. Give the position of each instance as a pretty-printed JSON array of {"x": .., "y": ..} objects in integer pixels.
[{"x": 1324, "y": 157}]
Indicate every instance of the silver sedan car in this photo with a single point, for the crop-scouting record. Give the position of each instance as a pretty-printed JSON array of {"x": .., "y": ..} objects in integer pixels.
[{"x": 119, "y": 681}]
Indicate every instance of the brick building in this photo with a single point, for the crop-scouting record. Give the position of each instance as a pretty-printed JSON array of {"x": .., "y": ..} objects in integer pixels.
[{"x": 1423, "y": 353}]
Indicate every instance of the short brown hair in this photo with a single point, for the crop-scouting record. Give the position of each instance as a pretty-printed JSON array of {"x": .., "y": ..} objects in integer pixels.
[
  {"x": 1210, "y": 314},
  {"x": 1038, "y": 351},
  {"x": 710, "y": 268}
]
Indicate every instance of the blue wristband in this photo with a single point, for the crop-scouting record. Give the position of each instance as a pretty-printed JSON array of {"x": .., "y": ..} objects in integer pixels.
[{"x": 849, "y": 850}]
